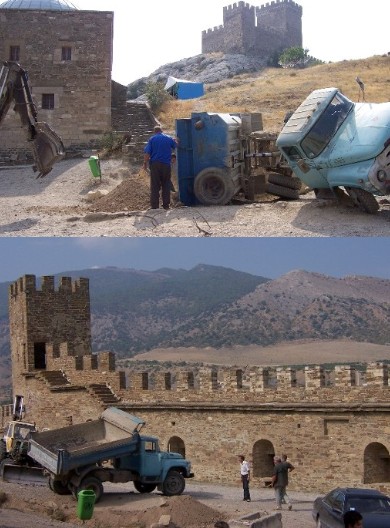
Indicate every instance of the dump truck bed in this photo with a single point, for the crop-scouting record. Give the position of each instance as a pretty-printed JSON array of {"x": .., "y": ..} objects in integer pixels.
[{"x": 114, "y": 434}]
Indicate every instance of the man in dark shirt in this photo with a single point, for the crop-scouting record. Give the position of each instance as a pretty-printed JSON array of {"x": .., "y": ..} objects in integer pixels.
[
  {"x": 158, "y": 155},
  {"x": 280, "y": 481}
]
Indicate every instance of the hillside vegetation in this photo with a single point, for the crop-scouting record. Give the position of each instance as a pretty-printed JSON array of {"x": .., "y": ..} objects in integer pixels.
[{"x": 275, "y": 91}]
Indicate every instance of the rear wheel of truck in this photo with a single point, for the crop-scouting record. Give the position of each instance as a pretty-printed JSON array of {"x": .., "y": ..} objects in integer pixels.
[
  {"x": 213, "y": 186},
  {"x": 291, "y": 182},
  {"x": 143, "y": 487},
  {"x": 283, "y": 192},
  {"x": 174, "y": 484},
  {"x": 363, "y": 199},
  {"x": 58, "y": 487},
  {"x": 94, "y": 484}
]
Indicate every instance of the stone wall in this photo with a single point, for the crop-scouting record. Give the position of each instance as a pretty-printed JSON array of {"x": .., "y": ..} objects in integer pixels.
[
  {"x": 260, "y": 31},
  {"x": 81, "y": 86},
  {"x": 333, "y": 424}
]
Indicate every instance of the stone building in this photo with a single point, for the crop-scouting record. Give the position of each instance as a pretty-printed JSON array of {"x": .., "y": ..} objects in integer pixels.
[
  {"x": 334, "y": 425},
  {"x": 259, "y": 31},
  {"x": 68, "y": 56}
]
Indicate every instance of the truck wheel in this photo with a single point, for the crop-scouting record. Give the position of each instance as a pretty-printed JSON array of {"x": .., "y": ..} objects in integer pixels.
[
  {"x": 283, "y": 192},
  {"x": 3, "y": 450},
  {"x": 174, "y": 484},
  {"x": 212, "y": 186},
  {"x": 94, "y": 484},
  {"x": 363, "y": 199},
  {"x": 58, "y": 487},
  {"x": 291, "y": 182},
  {"x": 143, "y": 487}
]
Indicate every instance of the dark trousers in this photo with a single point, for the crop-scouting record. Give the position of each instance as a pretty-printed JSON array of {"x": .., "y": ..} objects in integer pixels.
[
  {"x": 245, "y": 487},
  {"x": 160, "y": 178}
]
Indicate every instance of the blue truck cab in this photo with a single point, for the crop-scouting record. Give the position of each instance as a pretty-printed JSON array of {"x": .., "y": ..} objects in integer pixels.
[{"x": 331, "y": 142}]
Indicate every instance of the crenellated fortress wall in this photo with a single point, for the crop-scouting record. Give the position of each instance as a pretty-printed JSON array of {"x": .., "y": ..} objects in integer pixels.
[
  {"x": 256, "y": 31},
  {"x": 333, "y": 423}
]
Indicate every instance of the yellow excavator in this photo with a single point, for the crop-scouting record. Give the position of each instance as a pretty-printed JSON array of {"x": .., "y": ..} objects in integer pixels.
[
  {"x": 47, "y": 147},
  {"x": 15, "y": 463}
]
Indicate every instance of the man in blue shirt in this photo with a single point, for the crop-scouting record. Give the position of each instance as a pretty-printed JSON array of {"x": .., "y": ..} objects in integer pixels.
[{"x": 158, "y": 154}]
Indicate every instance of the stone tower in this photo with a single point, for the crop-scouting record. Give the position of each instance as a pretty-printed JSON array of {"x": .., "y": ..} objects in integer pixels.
[
  {"x": 44, "y": 321},
  {"x": 256, "y": 31}
]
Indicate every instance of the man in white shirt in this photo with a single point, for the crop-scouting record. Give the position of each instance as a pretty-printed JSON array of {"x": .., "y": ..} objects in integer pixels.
[{"x": 245, "y": 477}]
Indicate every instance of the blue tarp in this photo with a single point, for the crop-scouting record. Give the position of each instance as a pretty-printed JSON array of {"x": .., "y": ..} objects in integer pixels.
[{"x": 182, "y": 89}]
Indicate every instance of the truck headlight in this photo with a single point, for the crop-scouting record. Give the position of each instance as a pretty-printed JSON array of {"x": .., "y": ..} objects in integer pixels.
[{"x": 381, "y": 175}]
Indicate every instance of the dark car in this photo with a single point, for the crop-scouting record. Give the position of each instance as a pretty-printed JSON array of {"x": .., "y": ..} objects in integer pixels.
[{"x": 373, "y": 505}]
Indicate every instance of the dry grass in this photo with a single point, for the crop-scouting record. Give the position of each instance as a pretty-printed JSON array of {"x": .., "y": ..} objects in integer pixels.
[{"x": 273, "y": 92}]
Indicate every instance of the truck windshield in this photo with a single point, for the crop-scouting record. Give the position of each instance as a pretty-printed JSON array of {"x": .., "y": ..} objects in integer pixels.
[{"x": 326, "y": 126}]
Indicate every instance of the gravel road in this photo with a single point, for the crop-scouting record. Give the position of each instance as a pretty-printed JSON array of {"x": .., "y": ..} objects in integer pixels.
[
  {"x": 30, "y": 503},
  {"x": 57, "y": 206}
]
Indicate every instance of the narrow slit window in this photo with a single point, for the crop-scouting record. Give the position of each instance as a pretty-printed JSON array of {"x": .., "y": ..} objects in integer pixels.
[
  {"x": 14, "y": 53},
  {"x": 48, "y": 101},
  {"x": 66, "y": 53}
]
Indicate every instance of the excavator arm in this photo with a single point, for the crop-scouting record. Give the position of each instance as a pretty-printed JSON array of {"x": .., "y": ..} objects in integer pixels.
[{"x": 46, "y": 145}]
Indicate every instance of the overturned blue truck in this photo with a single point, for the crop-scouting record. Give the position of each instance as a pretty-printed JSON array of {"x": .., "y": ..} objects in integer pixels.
[{"x": 330, "y": 144}]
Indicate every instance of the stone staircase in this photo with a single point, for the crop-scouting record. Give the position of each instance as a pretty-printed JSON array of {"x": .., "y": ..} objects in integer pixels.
[
  {"x": 103, "y": 393},
  {"x": 53, "y": 378},
  {"x": 136, "y": 119}
]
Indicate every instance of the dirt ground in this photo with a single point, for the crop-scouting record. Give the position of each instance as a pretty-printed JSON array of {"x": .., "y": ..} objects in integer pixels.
[
  {"x": 59, "y": 205},
  {"x": 200, "y": 506}
]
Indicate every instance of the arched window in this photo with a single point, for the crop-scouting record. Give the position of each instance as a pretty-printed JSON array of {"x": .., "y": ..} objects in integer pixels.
[
  {"x": 176, "y": 445},
  {"x": 376, "y": 463}
]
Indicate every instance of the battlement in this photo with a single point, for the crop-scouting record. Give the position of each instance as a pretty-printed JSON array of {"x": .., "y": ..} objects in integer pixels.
[
  {"x": 256, "y": 31},
  {"x": 28, "y": 284},
  {"x": 269, "y": 6}
]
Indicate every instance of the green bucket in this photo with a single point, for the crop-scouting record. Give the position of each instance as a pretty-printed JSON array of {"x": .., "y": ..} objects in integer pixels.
[
  {"x": 85, "y": 504},
  {"x": 94, "y": 165}
]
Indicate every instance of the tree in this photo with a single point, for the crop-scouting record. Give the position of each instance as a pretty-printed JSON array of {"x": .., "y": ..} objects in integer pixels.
[
  {"x": 294, "y": 58},
  {"x": 156, "y": 95}
]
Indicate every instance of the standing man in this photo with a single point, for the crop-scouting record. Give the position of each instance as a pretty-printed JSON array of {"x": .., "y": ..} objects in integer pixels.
[
  {"x": 280, "y": 482},
  {"x": 157, "y": 154},
  {"x": 245, "y": 477}
]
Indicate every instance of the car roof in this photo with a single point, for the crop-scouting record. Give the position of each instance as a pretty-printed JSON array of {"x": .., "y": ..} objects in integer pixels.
[{"x": 361, "y": 492}]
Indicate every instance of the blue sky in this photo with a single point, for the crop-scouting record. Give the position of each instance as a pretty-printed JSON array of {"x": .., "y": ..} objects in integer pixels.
[
  {"x": 150, "y": 34},
  {"x": 268, "y": 257}
]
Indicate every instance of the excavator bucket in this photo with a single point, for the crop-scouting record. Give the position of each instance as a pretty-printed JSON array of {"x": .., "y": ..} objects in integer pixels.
[
  {"x": 11, "y": 472},
  {"x": 47, "y": 148}
]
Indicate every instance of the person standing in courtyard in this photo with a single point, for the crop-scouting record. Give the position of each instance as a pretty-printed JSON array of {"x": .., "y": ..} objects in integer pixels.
[
  {"x": 158, "y": 158},
  {"x": 245, "y": 477},
  {"x": 280, "y": 482}
]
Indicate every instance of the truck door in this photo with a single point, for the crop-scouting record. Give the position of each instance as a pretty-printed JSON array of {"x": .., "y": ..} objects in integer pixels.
[{"x": 150, "y": 459}]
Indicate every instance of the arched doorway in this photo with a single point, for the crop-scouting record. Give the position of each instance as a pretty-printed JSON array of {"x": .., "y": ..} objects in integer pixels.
[
  {"x": 176, "y": 445},
  {"x": 262, "y": 459},
  {"x": 376, "y": 463}
]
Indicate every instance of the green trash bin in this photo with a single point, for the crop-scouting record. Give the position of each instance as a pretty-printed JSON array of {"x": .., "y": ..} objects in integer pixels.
[
  {"x": 85, "y": 504},
  {"x": 94, "y": 165}
]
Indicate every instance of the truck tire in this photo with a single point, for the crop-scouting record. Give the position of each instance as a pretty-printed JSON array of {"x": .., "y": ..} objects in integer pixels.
[
  {"x": 3, "y": 450},
  {"x": 174, "y": 484},
  {"x": 283, "y": 192},
  {"x": 213, "y": 186},
  {"x": 58, "y": 487},
  {"x": 291, "y": 182},
  {"x": 94, "y": 484},
  {"x": 363, "y": 199},
  {"x": 143, "y": 487}
]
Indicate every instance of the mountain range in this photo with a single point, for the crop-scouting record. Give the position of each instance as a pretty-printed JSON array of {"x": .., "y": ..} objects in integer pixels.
[{"x": 133, "y": 311}]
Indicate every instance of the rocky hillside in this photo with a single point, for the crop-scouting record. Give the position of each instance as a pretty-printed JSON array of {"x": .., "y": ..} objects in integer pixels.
[
  {"x": 135, "y": 311},
  {"x": 207, "y": 68}
]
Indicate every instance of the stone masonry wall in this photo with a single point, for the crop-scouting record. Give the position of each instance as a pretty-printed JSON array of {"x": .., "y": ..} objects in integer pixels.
[
  {"x": 260, "y": 31},
  {"x": 333, "y": 424},
  {"x": 81, "y": 86}
]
